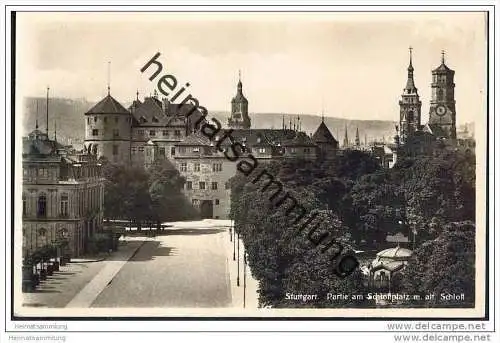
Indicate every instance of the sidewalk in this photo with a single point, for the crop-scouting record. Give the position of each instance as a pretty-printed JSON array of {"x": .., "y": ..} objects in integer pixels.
[
  {"x": 60, "y": 288},
  {"x": 89, "y": 293},
  {"x": 245, "y": 295}
]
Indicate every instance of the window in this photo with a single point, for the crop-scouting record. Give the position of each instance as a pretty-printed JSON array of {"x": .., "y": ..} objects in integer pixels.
[
  {"x": 195, "y": 202},
  {"x": 140, "y": 132},
  {"x": 95, "y": 132},
  {"x": 25, "y": 209},
  {"x": 217, "y": 167},
  {"x": 196, "y": 167},
  {"x": 165, "y": 133},
  {"x": 307, "y": 150},
  {"x": 172, "y": 151},
  {"x": 152, "y": 133},
  {"x": 115, "y": 149},
  {"x": 262, "y": 150},
  {"x": 116, "y": 120},
  {"x": 183, "y": 167},
  {"x": 141, "y": 149},
  {"x": 142, "y": 119},
  {"x": 182, "y": 150},
  {"x": 64, "y": 205},
  {"x": 293, "y": 150},
  {"x": 42, "y": 206},
  {"x": 105, "y": 119},
  {"x": 189, "y": 185},
  {"x": 132, "y": 150},
  {"x": 95, "y": 119},
  {"x": 116, "y": 133},
  {"x": 155, "y": 120},
  {"x": 410, "y": 116},
  {"x": 214, "y": 185},
  {"x": 440, "y": 95},
  {"x": 197, "y": 149},
  {"x": 177, "y": 133},
  {"x": 217, "y": 201},
  {"x": 202, "y": 185},
  {"x": 162, "y": 151}
]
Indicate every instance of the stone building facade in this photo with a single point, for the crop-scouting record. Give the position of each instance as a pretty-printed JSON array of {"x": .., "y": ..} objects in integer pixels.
[{"x": 62, "y": 196}]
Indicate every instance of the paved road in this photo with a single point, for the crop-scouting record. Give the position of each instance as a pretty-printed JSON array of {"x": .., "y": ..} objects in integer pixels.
[{"x": 186, "y": 267}]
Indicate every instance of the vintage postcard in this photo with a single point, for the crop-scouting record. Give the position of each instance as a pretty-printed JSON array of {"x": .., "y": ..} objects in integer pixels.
[{"x": 260, "y": 164}]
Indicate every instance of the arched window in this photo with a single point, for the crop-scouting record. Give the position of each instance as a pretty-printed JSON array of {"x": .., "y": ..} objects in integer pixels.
[
  {"x": 64, "y": 205},
  {"x": 410, "y": 116},
  {"x": 42, "y": 236},
  {"x": 440, "y": 95},
  {"x": 25, "y": 208},
  {"x": 42, "y": 206}
]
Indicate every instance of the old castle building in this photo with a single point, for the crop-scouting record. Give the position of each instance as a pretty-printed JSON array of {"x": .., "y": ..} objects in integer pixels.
[
  {"x": 156, "y": 129},
  {"x": 62, "y": 196}
]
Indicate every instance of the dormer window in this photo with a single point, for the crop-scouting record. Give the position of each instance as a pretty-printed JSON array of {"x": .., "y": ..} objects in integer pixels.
[
  {"x": 143, "y": 120},
  {"x": 155, "y": 120}
]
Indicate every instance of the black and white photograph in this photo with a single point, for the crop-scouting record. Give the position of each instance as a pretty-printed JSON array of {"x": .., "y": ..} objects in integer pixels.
[{"x": 260, "y": 164}]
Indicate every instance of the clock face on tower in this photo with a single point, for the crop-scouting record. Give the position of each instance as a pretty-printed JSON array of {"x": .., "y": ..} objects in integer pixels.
[{"x": 440, "y": 110}]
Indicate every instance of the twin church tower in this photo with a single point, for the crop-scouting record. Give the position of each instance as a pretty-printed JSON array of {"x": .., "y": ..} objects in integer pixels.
[{"x": 442, "y": 115}]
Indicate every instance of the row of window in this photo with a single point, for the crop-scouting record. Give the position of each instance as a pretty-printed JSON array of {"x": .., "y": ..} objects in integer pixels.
[
  {"x": 95, "y": 198},
  {"x": 196, "y": 202},
  {"x": 105, "y": 119},
  {"x": 164, "y": 133},
  {"x": 216, "y": 167},
  {"x": 42, "y": 206},
  {"x": 202, "y": 185}
]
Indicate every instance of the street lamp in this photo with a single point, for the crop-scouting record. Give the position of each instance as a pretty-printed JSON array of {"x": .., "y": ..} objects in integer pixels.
[
  {"x": 244, "y": 277},
  {"x": 238, "y": 262},
  {"x": 234, "y": 245}
]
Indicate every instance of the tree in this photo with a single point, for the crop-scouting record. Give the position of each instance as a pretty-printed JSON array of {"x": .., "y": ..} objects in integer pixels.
[{"x": 444, "y": 265}]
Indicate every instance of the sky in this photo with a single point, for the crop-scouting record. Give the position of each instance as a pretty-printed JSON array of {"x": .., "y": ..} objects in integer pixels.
[{"x": 348, "y": 65}]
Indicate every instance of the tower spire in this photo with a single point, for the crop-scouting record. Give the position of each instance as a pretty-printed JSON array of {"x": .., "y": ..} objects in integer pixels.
[
  {"x": 283, "y": 122},
  {"x": 137, "y": 95},
  {"x": 47, "y": 102},
  {"x": 36, "y": 121},
  {"x": 346, "y": 138},
  {"x": 55, "y": 130},
  {"x": 410, "y": 83},
  {"x": 357, "y": 137},
  {"x": 442, "y": 56},
  {"x": 109, "y": 77}
]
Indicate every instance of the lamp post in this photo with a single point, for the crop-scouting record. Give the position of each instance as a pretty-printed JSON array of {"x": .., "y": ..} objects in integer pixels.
[
  {"x": 231, "y": 231},
  {"x": 244, "y": 277},
  {"x": 234, "y": 245},
  {"x": 238, "y": 262}
]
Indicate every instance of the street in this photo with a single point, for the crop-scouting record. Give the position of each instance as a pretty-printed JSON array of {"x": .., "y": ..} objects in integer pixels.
[{"x": 184, "y": 267}]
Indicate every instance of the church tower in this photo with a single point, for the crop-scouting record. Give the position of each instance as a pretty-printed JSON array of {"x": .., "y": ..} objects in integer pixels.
[
  {"x": 442, "y": 115},
  {"x": 346, "y": 138},
  {"x": 239, "y": 109},
  {"x": 409, "y": 107}
]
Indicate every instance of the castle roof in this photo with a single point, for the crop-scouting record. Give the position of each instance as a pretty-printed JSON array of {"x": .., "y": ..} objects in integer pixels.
[
  {"x": 323, "y": 135},
  {"x": 108, "y": 105},
  {"x": 300, "y": 139}
]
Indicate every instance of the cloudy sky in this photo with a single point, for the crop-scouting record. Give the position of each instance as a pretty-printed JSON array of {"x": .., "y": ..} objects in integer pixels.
[{"x": 352, "y": 64}]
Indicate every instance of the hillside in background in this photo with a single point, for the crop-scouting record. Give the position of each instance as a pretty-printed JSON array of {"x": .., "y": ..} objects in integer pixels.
[{"x": 69, "y": 114}]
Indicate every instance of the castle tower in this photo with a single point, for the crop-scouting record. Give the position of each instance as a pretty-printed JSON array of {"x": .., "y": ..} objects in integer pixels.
[
  {"x": 410, "y": 107},
  {"x": 442, "y": 115},
  {"x": 239, "y": 109},
  {"x": 108, "y": 130},
  {"x": 323, "y": 138}
]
